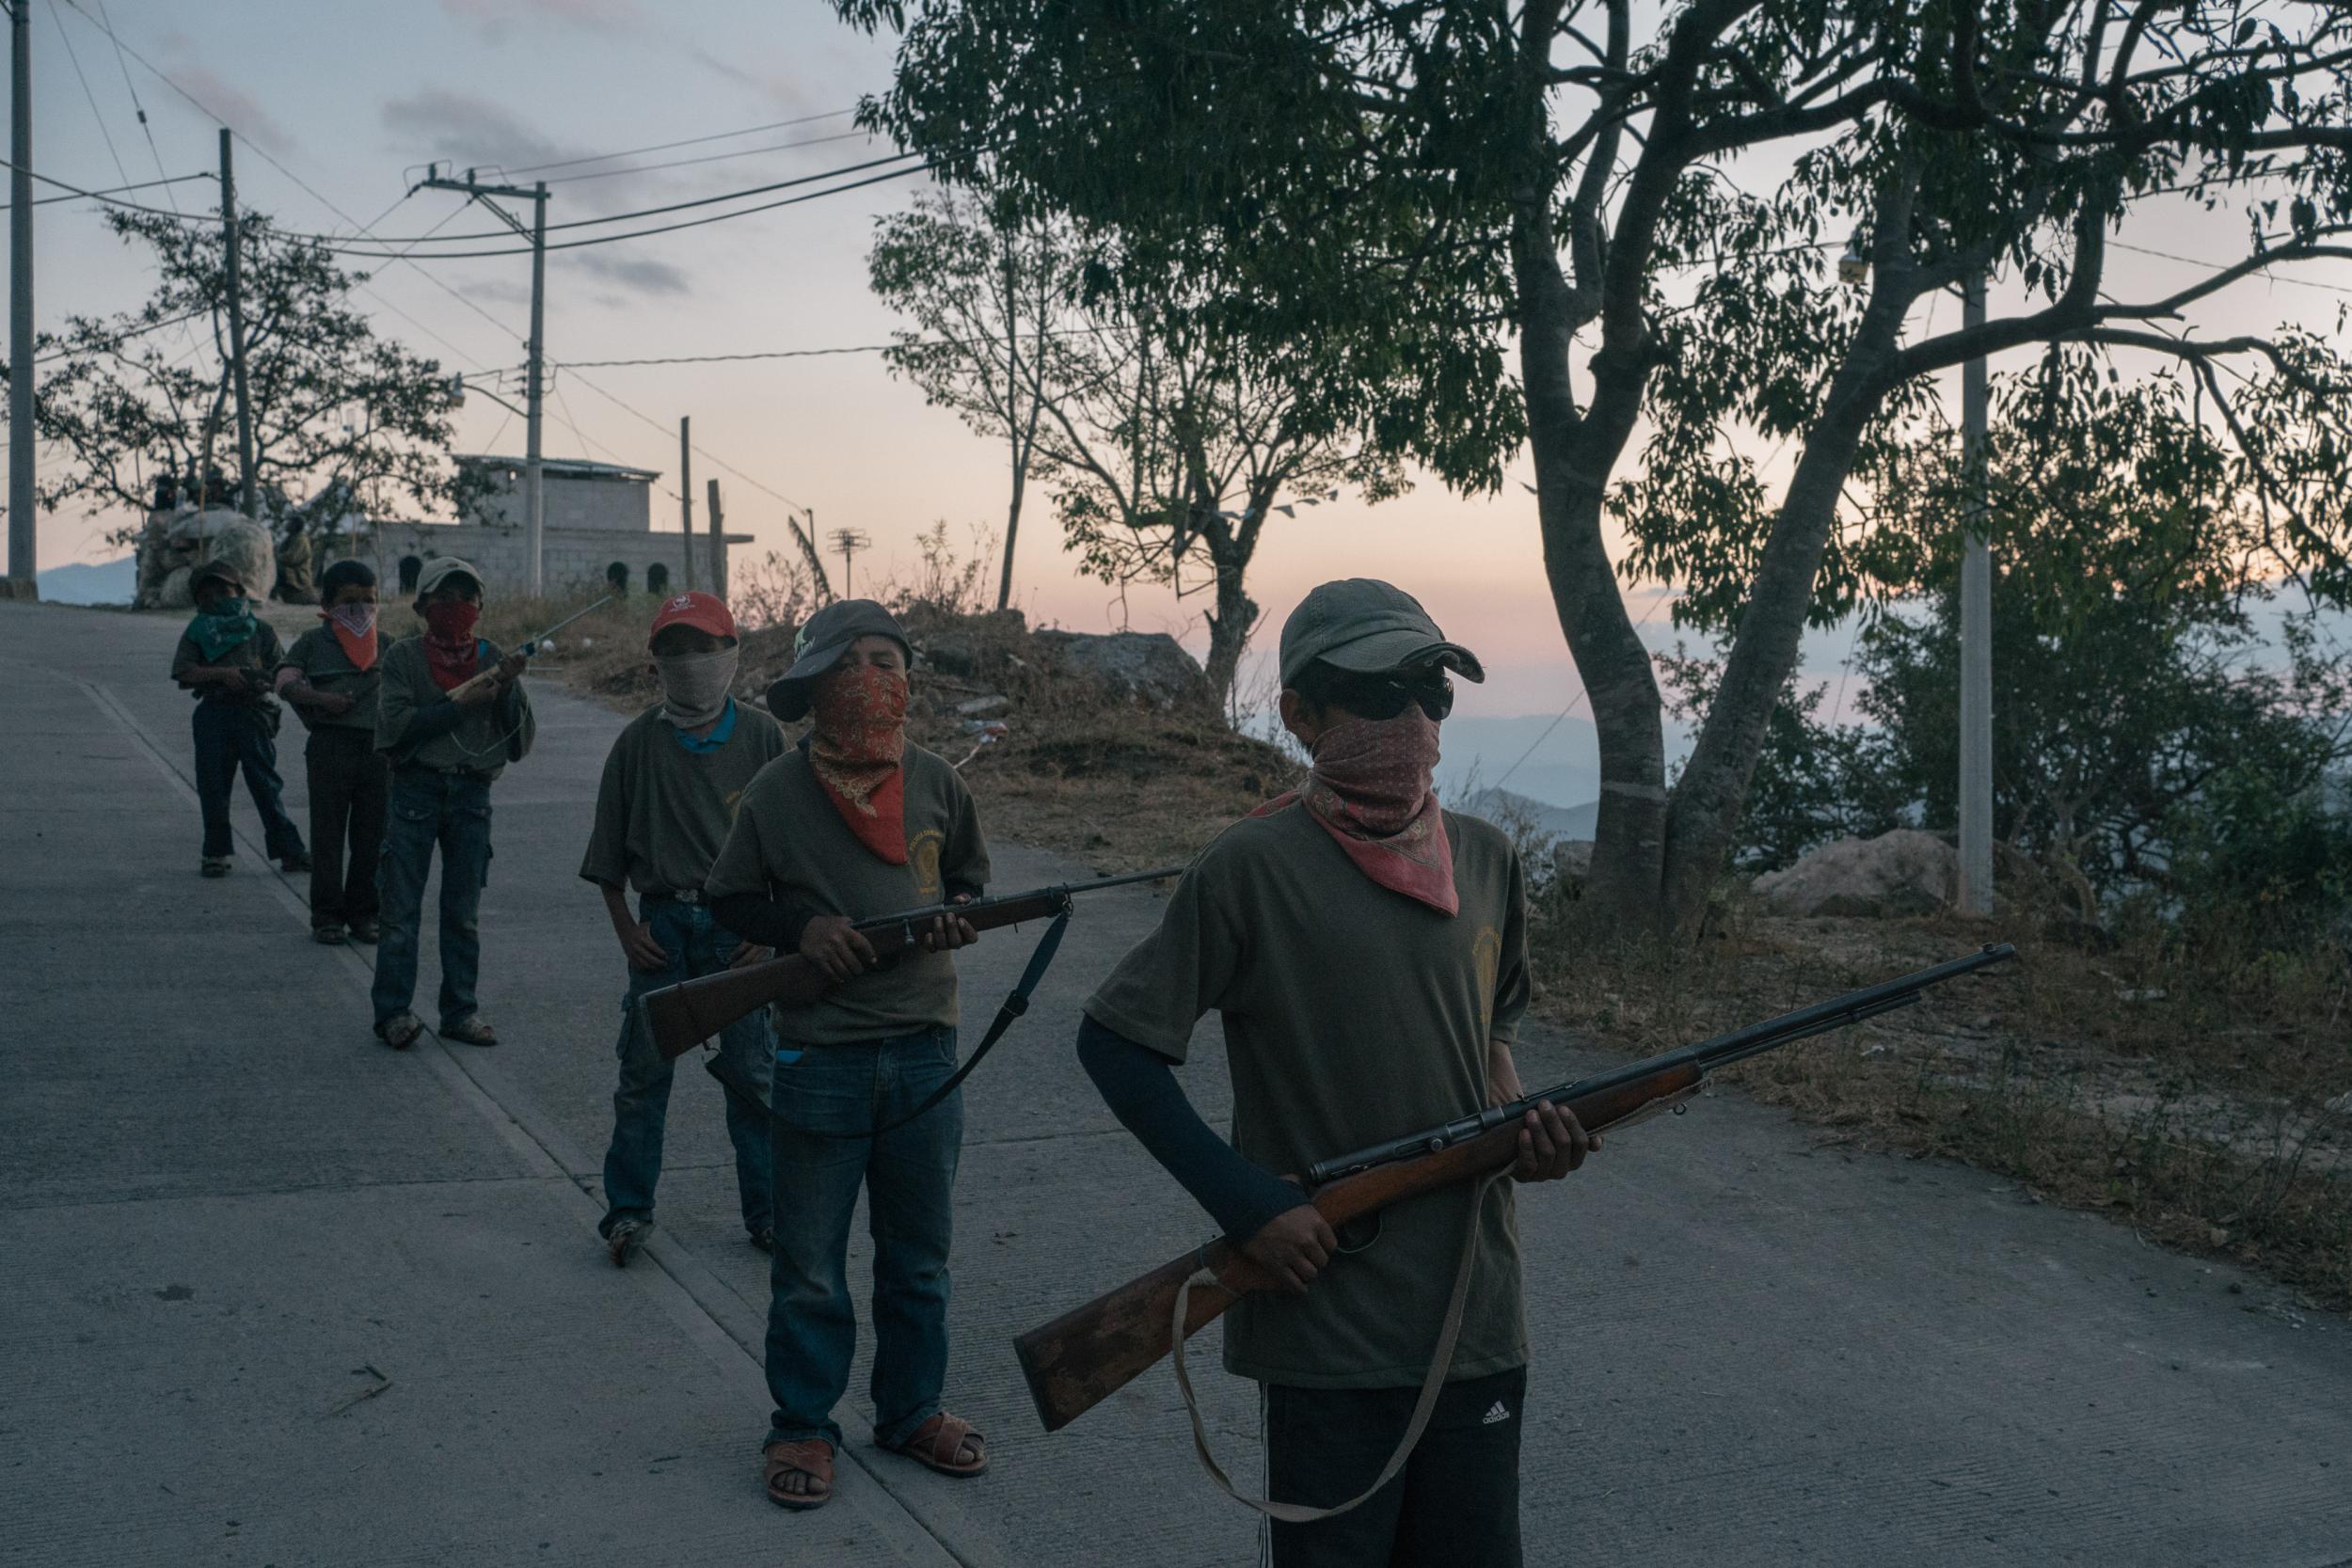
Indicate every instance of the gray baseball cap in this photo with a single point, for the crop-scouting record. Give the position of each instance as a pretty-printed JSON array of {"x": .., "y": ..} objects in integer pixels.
[
  {"x": 1366, "y": 626},
  {"x": 820, "y": 644},
  {"x": 218, "y": 569},
  {"x": 441, "y": 569}
]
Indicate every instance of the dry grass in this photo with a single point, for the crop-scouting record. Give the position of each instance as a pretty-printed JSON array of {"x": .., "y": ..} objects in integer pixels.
[{"x": 2182, "y": 1094}]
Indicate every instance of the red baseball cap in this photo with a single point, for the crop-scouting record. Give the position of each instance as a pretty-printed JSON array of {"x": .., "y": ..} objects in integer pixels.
[{"x": 703, "y": 611}]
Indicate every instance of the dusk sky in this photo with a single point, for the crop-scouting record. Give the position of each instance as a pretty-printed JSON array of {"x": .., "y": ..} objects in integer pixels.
[{"x": 353, "y": 100}]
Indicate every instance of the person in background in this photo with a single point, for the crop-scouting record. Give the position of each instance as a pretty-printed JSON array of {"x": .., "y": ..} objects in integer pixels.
[
  {"x": 671, "y": 786},
  {"x": 226, "y": 657},
  {"x": 329, "y": 677},
  {"x": 1367, "y": 952},
  {"x": 448, "y": 737},
  {"x": 856, "y": 821}
]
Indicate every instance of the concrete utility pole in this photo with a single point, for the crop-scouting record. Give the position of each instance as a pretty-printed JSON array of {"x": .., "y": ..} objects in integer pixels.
[
  {"x": 249, "y": 502},
  {"x": 1976, "y": 634},
  {"x": 686, "y": 498},
  {"x": 24, "y": 552},
  {"x": 534, "y": 489},
  {"x": 718, "y": 546}
]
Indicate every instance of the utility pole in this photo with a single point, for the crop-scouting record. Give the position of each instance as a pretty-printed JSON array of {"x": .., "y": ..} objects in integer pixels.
[
  {"x": 1976, "y": 632},
  {"x": 247, "y": 502},
  {"x": 718, "y": 546},
  {"x": 686, "y": 498},
  {"x": 849, "y": 540},
  {"x": 24, "y": 555},
  {"x": 534, "y": 489}
]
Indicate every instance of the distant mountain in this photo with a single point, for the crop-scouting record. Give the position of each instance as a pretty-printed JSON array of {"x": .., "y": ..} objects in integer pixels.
[
  {"x": 106, "y": 582},
  {"x": 1508, "y": 808},
  {"x": 1553, "y": 763}
]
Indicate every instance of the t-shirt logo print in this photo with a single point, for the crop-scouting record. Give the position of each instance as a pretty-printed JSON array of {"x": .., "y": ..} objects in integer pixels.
[{"x": 923, "y": 859}]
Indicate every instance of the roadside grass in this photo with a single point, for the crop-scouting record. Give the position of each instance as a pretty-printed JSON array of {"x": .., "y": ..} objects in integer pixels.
[{"x": 2185, "y": 1092}]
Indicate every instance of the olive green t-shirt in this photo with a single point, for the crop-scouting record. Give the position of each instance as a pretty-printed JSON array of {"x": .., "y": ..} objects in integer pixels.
[
  {"x": 327, "y": 668},
  {"x": 258, "y": 652},
  {"x": 1353, "y": 1014},
  {"x": 488, "y": 738},
  {"x": 789, "y": 840},
  {"x": 663, "y": 811}
]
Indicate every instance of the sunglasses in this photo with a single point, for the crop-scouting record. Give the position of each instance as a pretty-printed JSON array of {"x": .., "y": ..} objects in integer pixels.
[{"x": 1385, "y": 696}]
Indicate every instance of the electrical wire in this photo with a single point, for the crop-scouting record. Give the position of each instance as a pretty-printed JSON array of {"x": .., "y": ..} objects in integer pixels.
[
  {"x": 688, "y": 141},
  {"x": 711, "y": 157},
  {"x": 108, "y": 137},
  {"x": 142, "y": 185}
]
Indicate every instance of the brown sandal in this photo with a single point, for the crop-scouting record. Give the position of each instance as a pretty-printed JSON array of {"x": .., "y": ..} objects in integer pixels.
[
  {"x": 811, "y": 1457},
  {"x": 939, "y": 1442},
  {"x": 471, "y": 1030}
]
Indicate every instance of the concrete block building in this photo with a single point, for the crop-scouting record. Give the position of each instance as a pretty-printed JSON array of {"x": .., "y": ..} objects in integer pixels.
[{"x": 596, "y": 532}]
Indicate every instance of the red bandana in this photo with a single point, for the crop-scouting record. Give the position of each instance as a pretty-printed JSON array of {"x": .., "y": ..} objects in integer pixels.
[
  {"x": 1370, "y": 789},
  {"x": 451, "y": 652},
  {"x": 859, "y": 742},
  {"x": 354, "y": 626}
]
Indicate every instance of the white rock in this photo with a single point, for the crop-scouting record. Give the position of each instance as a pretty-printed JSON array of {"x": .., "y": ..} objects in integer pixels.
[{"x": 1902, "y": 873}]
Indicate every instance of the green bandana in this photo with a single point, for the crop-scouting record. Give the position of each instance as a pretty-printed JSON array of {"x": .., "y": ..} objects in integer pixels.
[{"x": 229, "y": 624}]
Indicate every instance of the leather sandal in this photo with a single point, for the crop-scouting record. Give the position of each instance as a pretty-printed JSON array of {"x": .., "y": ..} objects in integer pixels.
[
  {"x": 939, "y": 1442},
  {"x": 811, "y": 1457},
  {"x": 400, "y": 1030}
]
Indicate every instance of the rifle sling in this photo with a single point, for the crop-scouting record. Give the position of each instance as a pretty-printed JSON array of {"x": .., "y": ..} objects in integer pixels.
[
  {"x": 1016, "y": 1002},
  {"x": 1441, "y": 1363}
]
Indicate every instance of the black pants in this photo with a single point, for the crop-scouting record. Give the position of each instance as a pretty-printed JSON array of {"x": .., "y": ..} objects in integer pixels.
[
  {"x": 1455, "y": 1505},
  {"x": 349, "y": 782},
  {"x": 228, "y": 736}
]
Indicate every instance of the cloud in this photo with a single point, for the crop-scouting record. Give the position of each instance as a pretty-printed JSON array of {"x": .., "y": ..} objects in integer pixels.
[
  {"x": 231, "y": 103},
  {"x": 777, "y": 89},
  {"x": 469, "y": 129},
  {"x": 495, "y": 19},
  {"x": 633, "y": 274}
]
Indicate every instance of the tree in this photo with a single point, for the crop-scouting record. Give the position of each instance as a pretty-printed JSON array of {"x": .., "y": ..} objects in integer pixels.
[
  {"x": 976, "y": 286},
  {"x": 1407, "y": 182},
  {"x": 1168, "y": 441},
  {"x": 336, "y": 409}
]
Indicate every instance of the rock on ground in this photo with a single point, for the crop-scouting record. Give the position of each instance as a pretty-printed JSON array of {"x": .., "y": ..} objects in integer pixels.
[
  {"x": 189, "y": 541},
  {"x": 1904, "y": 872},
  {"x": 1150, "y": 666}
]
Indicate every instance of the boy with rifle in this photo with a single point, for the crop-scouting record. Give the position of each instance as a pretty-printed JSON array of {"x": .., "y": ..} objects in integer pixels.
[
  {"x": 452, "y": 714},
  {"x": 330, "y": 677},
  {"x": 670, "y": 789},
  {"x": 856, "y": 821},
  {"x": 224, "y": 658},
  {"x": 1366, "y": 950}
]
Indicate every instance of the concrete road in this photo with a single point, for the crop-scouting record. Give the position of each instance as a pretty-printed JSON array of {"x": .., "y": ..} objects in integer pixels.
[{"x": 277, "y": 1295}]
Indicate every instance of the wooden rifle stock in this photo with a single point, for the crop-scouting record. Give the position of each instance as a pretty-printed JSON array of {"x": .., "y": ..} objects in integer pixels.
[
  {"x": 683, "y": 1016},
  {"x": 1088, "y": 1354}
]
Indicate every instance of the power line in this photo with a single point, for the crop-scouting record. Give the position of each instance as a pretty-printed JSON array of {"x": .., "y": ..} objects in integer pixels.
[
  {"x": 78, "y": 196},
  {"x": 2217, "y": 266},
  {"x": 711, "y": 157},
  {"x": 108, "y": 137},
  {"x": 688, "y": 141},
  {"x": 699, "y": 450}
]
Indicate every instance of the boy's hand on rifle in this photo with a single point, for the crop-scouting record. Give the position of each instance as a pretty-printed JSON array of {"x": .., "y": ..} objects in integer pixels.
[
  {"x": 749, "y": 953},
  {"x": 644, "y": 952},
  {"x": 476, "y": 691},
  {"x": 511, "y": 668},
  {"x": 1293, "y": 1247},
  {"x": 834, "y": 945},
  {"x": 945, "y": 933},
  {"x": 1552, "y": 1144}
]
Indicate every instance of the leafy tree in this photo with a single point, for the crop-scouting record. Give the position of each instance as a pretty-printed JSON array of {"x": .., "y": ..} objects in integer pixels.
[
  {"x": 988, "y": 296},
  {"x": 1408, "y": 183},
  {"x": 336, "y": 409}
]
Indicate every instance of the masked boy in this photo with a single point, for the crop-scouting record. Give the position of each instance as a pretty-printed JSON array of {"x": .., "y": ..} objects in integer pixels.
[
  {"x": 852, "y": 823},
  {"x": 1367, "y": 953},
  {"x": 329, "y": 677},
  {"x": 448, "y": 737},
  {"x": 226, "y": 657},
  {"x": 671, "y": 786}
]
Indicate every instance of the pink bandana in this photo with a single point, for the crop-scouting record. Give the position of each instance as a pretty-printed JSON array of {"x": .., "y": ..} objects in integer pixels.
[{"x": 1370, "y": 788}]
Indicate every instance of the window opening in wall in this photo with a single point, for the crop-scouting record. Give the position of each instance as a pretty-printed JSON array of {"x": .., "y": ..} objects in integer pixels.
[
  {"x": 616, "y": 577},
  {"x": 409, "y": 567},
  {"x": 658, "y": 578}
]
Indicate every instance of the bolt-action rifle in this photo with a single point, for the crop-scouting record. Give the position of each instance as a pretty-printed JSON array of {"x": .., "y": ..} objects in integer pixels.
[
  {"x": 681, "y": 1017},
  {"x": 531, "y": 645},
  {"x": 1089, "y": 1353}
]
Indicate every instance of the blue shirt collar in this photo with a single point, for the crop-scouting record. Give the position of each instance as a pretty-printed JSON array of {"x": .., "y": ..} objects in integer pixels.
[{"x": 721, "y": 733}]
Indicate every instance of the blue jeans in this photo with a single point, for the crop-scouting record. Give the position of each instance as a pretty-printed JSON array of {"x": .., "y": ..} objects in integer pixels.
[
  {"x": 231, "y": 736},
  {"x": 697, "y": 944},
  {"x": 429, "y": 808},
  {"x": 909, "y": 1177}
]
